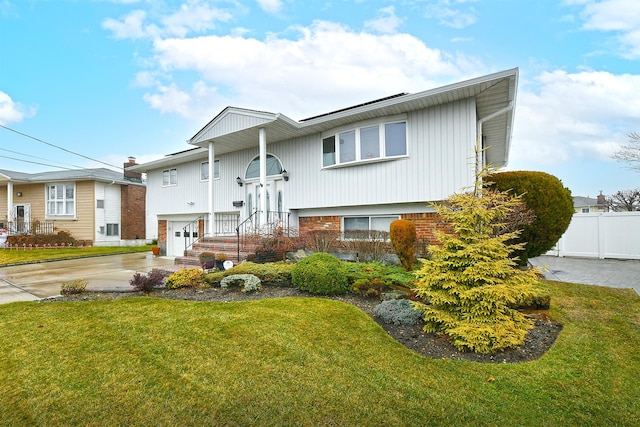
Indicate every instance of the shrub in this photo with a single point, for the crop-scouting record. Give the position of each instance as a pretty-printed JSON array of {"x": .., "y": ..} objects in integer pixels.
[
  {"x": 277, "y": 273},
  {"x": 403, "y": 239},
  {"x": 367, "y": 245},
  {"x": 322, "y": 240},
  {"x": 320, "y": 273},
  {"x": 186, "y": 278},
  {"x": 370, "y": 288},
  {"x": 470, "y": 284},
  {"x": 76, "y": 286},
  {"x": 392, "y": 276},
  {"x": 205, "y": 257},
  {"x": 550, "y": 202},
  {"x": 398, "y": 312},
  {"x": 146, "y": 283}
]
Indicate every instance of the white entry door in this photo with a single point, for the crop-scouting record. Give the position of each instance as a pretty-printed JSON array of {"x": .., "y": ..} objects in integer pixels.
[{"x": 22, "y": 217}]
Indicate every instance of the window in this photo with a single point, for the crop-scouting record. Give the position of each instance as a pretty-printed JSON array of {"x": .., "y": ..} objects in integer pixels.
[
  {"x": 585, "y": 210},
  {"x": 169, "y": 177},
  {"x": 61, "y": 199},
  {"x": 385, "y": 140},
  {"x": 353, "y": 227},
  {"x": 204, "y": 170},
  {"x": 100, "y": 204},
  {"x": 274, "y": 167},
  {"x": 113, "y": 229}
]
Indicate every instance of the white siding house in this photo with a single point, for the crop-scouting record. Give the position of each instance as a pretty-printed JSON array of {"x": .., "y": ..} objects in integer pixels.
[{"x": 359, "y": 167}]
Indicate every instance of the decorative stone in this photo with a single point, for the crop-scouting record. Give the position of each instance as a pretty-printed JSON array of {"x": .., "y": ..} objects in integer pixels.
[{"x": 250, "y": 282}]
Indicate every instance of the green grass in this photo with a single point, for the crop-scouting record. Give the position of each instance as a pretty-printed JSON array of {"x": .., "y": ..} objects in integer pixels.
[
  {"x": 303, "y": 362},
  {"x": 19, "y": 256}
]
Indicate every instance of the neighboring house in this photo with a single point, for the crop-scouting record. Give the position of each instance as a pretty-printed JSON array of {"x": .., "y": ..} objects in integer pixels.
[
  {"x": 97, "y": 206},
  {"x": 590, "y": 205},
  {"x": 356, "y": 168}
]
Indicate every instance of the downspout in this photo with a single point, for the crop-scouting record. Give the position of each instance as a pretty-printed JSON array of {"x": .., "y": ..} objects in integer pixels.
[{"x": 479, "y": 148}]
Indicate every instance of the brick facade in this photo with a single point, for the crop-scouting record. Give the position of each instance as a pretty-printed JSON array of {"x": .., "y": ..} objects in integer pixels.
[
  {"x": 319, "y": 223},
  {"x": 132, "y": 212}
]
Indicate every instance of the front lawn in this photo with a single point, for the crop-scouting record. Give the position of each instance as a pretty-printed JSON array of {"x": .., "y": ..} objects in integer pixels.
[
  {"x": 19, "y": 256},
  {"x": 303, "y": 362}
]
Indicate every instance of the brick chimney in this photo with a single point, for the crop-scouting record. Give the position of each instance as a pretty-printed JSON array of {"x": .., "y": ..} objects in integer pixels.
[
  {"x": 602, "y": 202},
  {"x": 132, "y": 176}
]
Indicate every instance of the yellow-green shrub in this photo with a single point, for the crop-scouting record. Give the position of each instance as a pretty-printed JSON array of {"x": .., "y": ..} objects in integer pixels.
[
  {"x": 186, "y": 278},
  {"x": 320, "y": 273}
]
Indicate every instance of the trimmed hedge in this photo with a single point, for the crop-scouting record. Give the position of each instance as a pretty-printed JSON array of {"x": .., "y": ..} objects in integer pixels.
[
  {"x": 551, "y": 203},
  {"x": 320, "y": 273}
]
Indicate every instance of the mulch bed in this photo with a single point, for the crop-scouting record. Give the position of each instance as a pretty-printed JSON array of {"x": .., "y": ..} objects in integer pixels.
[{"x": 538, "y": 341}]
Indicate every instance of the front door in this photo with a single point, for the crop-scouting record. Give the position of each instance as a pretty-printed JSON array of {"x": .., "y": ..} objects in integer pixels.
[{"x": 22, "y": 218}]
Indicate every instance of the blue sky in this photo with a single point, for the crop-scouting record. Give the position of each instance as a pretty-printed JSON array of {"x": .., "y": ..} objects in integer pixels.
[{"x": 110, "y": 79}]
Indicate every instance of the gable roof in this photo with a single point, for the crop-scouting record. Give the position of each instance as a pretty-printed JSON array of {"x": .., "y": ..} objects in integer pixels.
[
  {"x": 236, "y": 129},
  {"x": 98, "y": 174}
]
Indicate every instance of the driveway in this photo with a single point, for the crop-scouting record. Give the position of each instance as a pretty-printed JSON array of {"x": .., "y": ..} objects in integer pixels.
[
  {"x": 31, "y": 282},
  {"x": 614, "y": 273}
]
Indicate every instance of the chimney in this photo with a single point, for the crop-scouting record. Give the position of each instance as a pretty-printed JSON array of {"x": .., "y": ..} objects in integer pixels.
[
  {"x": 133, "y": 176},
  {"x": 602, "y": 202}
]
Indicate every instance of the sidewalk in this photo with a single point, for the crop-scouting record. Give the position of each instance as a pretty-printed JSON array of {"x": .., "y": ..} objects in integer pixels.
[
  {"x": 30, "y": 282},
  {"x": 613, "y": 273}
]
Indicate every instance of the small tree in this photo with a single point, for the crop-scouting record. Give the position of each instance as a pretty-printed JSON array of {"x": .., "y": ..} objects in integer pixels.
[
  {"x": 624, "y": 200},
  {"x": 470, "y": 285},
  {"x": 403, "y": 239},
  {"x": 630, "y": 153}
]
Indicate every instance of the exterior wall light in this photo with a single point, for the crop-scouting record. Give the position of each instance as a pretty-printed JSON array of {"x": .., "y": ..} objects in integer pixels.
[
  {"x": 239, "y": 181},
  {"x": 19, "y": 194},
  {"x": 285, "y": 175}
]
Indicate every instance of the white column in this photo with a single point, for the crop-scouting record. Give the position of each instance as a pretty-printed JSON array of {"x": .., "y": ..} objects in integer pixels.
[
  {"x": 9, "y": 202},
  {"x": 263, "y": 176},
  {"x": 212, "y": 157}
]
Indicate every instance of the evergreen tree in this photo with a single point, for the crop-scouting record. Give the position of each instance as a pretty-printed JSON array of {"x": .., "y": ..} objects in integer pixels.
[{"x": 471, "y": 285}]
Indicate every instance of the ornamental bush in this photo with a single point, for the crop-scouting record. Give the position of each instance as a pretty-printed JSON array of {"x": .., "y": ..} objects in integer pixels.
[
  {"x": 186, "y": 278},
  {"x": 403, "y": 239},
  {"x": 320, "y": 273},
  {"x": 146, "y": 283},
  {"x": 550, "y": 202},
  {"x": 398, "y": 312}
]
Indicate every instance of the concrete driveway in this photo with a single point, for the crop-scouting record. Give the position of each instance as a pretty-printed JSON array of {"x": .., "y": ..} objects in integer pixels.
[
  {"x": 614, "y": 273},
  {"x": 31, "y": 282}
]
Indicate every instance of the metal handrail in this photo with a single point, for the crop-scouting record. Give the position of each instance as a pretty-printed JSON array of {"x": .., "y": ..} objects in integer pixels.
[
  {"x": 250, "y": 218},
  {"x": 189, "y": 241}
]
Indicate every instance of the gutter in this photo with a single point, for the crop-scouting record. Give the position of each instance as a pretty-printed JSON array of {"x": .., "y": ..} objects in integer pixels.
[{"x": 479, "y": 148}]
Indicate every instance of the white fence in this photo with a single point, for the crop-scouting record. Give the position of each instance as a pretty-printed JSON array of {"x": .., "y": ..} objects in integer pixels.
[{"x": 601, "y": 235}]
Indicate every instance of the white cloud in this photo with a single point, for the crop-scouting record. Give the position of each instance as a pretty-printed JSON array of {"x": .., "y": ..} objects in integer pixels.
[
  {"x": 324, "y": 67},
  {"x": 270, "y": 6},
  {"x": 450, "y": 13},
  {"x": 620, "y": 16},
  {"x": 194, "y": 16},
  {"x": 11, "y": 111},
  {"x": 585, "y": 115},
  {"x": 386, "y": 21}
]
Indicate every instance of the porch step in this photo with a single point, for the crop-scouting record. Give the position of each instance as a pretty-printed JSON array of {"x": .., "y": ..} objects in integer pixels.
[{"x": 217, "y": 245}]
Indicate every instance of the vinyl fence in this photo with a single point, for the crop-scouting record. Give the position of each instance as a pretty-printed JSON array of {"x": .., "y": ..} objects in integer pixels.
[{"x": 601, "y": 235}]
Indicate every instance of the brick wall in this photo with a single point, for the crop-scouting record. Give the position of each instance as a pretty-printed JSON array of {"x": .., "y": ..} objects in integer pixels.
[
  {"x": 132, "y": 212},
  {"x": 317, "y": 223},
  {"x": 426, "y": 226}
]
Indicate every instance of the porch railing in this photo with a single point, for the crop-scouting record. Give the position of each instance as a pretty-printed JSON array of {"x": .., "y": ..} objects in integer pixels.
[
  {"x": 35, "y": 227},
  {"x": 251, "y": 229},
  {"x": 191, "y": 233}
]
